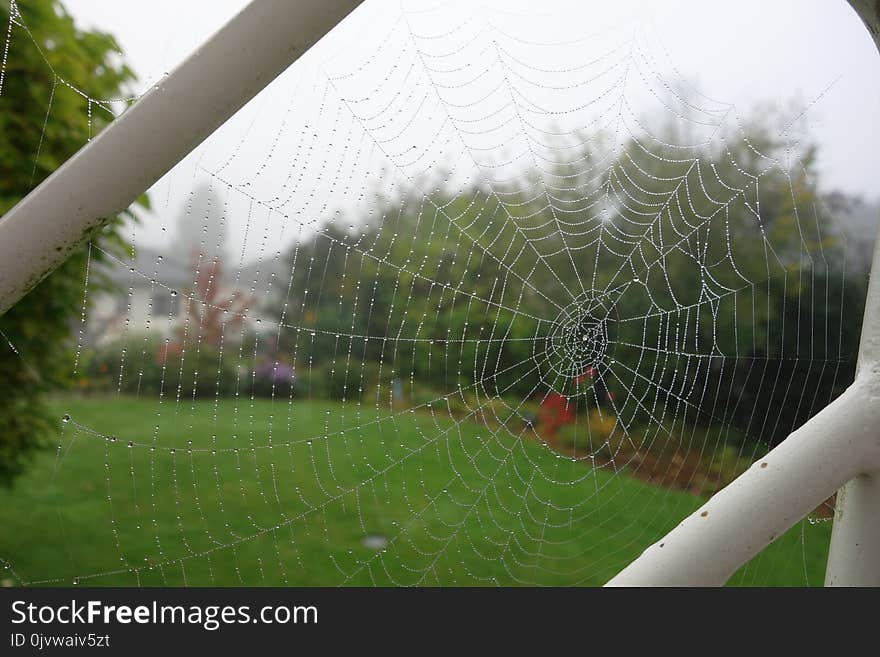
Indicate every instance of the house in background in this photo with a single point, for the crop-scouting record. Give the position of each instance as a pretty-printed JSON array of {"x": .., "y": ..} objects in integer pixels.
[{"x": 153, "y": 290}]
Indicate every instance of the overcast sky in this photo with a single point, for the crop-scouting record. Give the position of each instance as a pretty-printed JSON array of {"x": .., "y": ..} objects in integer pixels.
[{"x": 812, "y": 58}]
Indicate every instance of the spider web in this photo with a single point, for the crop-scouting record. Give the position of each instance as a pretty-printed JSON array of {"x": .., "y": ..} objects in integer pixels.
[{"x": 493, "y": 310}]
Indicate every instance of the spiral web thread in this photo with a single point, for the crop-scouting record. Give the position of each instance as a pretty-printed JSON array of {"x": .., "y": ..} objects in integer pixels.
[{"x": 592, "y": 217}]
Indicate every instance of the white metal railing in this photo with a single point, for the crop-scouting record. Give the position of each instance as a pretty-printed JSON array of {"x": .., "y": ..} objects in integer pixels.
[{"x": 839, "y": 447}]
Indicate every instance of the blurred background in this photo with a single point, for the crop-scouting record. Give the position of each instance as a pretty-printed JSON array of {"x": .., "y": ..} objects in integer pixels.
[{"x": 468, "y": 296}]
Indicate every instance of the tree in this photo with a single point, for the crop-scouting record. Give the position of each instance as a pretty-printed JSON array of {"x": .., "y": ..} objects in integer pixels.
[
  {"x": 43, "y": 121},
  {"x": 200, "y": 228},
  {"x": 732, "y": 279}
]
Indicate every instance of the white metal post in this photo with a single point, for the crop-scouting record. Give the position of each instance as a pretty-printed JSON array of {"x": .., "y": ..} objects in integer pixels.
[
  {"x": 155, "y": 133},
  {"x": 854, "y": 557}
]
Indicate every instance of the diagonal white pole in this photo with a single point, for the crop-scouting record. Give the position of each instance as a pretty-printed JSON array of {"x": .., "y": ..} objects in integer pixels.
[
  {"x": 155, "y": 133},
  {"x": 838, "y": 447}
]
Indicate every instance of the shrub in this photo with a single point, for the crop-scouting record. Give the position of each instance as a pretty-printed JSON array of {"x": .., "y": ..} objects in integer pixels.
[
  {"x": 148, "y": 367},
  {"x": 593, "y": 434},
  {"x": 273, "y": 378},
  {"x": 339, "y": 383}
]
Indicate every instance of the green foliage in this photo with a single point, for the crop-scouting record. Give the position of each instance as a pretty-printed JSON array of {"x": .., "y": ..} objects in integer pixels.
[
  {"x": 67, "y": 498},
  {"x": 43, "y": 121},
  {"x": 339, "y": 383},
  {"x": 736, "y": 259},
  {"x": 152, "y": 367}
]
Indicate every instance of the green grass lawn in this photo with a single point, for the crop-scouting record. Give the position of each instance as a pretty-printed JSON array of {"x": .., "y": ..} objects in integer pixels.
[{"x": 172, "y": 493}]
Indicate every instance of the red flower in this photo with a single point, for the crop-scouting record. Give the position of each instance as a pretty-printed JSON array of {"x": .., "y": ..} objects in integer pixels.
[
  {"x": 588, "y": 373},
  {"x": 555, "y": 411}
]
